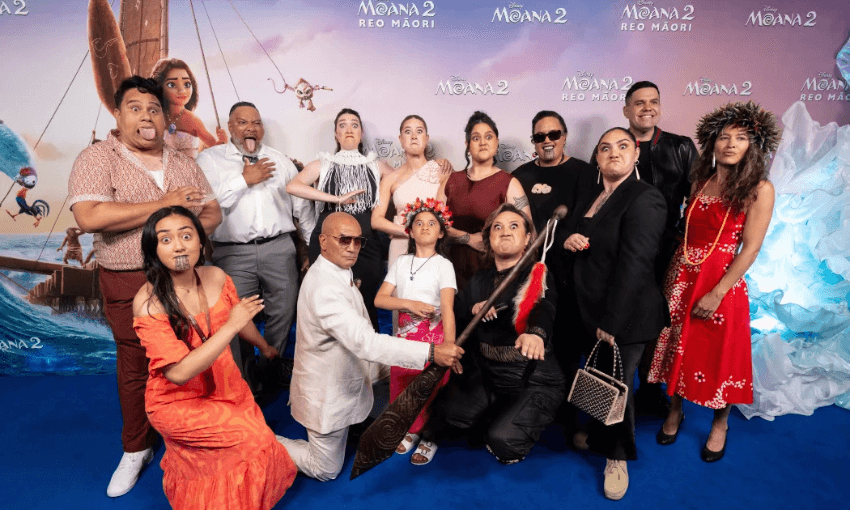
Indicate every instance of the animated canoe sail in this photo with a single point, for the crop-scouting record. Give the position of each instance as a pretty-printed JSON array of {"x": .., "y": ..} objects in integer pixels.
[{"x": 119, "y": 51}]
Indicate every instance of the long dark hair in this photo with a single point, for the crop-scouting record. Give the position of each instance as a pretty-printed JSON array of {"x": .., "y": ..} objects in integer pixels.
[
  {"x": 476, "y": 118},
  {"x": 442, "y": 246},
  {"x": 159, "y": 276},
  {"x": 739, "y": 190},
  {"x": 161, "y": 70},
  {"x": 350, "y": 112}
]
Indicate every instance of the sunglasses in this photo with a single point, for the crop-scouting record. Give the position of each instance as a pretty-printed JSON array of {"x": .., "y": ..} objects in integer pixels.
[
  {"x": 347, "y": 240},
  {"x": 541, "y": 137}
]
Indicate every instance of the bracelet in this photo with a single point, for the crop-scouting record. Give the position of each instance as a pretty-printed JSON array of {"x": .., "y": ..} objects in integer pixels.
[{"x": 431, "y": 354}]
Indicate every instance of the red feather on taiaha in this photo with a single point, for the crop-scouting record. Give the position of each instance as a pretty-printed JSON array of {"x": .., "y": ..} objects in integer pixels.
[{"x": 528, "y": 296}]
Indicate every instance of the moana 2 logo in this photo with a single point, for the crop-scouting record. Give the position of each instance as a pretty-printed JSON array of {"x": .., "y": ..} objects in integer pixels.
[
  {"x": 514, "y": 13},
  {"x": 708, "y": 87},
  {"x": 20, "y": 5},
  {"x": 404, "y": 15},
  {"x": 584, "y": 84},
  {"x": 511, "y": 153},
  {"x": 392, "y": 151},
  {"x": 637, "y": 16},
  {"x": 457, "y": 86},
  {"x": 770, "y": 17},
  {"x": 825, "y": 86}
]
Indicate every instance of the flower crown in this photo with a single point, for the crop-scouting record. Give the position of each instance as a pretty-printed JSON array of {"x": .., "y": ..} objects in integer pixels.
[
  {"x": 759, "y": 123},
  {"x": 437, "y": 208}
]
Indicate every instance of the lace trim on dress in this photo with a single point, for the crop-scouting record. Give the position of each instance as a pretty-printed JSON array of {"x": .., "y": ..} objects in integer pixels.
[{"x": 348, "y": 171}]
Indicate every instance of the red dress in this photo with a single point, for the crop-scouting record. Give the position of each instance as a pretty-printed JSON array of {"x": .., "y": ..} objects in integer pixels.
[
  {"x": 708, "y": 362},
  {"x": 219, "y": 451},
  {"x": 471, "y": 202}
]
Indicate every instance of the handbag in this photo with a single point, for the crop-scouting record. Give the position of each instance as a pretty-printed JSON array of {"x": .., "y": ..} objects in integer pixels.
[{"x": 600, "y": 395}]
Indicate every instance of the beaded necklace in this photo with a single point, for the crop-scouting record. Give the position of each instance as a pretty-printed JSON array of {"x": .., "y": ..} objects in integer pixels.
[{"x": 716, "y": 239}]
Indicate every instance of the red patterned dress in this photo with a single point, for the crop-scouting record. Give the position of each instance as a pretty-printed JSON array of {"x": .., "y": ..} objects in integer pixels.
[
  {"x": 708, "y": 362},
  {"x": 219, "y": 452}
]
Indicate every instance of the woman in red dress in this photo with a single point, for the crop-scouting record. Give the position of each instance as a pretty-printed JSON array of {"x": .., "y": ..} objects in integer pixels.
[
  {"x": 705, "y": 355},
  {"x": 219, "y": 451}
]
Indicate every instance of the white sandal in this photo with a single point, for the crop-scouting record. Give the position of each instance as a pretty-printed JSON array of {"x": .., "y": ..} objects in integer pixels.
[
  {"x": 407, "y": 443},
  {"x": 426, "y": 449}
]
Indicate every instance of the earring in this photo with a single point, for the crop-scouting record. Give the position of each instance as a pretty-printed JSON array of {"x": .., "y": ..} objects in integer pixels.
[
  {"x": 599, "y": 174},
  {"x": 637, "y": 173},
  {"x": 713, "y": 160}
]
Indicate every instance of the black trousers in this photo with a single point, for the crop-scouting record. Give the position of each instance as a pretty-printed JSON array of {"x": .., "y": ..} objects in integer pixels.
[{"x": 513, "y": 402}]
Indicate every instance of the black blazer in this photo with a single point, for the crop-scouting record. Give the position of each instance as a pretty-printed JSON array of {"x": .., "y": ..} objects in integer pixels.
[{"x": 614, "y": 280}]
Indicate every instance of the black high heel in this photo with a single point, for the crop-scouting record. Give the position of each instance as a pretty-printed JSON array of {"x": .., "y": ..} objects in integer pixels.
[
  {"x": 712, "y": 456},
  {"x": 665, "y": 439}
]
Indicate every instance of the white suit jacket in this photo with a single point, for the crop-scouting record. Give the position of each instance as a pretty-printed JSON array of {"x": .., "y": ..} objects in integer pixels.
[{"x": 336, "y": 350}]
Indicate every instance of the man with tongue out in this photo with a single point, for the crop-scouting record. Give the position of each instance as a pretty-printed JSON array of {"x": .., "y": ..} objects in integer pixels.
[
  {"x": 115, "y": 185},
  {"x": 253, "y": 243}
]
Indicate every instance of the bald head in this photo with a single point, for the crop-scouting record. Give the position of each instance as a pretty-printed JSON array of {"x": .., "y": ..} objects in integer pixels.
[{"x": 340, "y": 239}]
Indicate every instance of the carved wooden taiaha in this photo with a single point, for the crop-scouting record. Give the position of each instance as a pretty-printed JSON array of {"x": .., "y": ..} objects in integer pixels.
[{"x": 379, "y": 441}]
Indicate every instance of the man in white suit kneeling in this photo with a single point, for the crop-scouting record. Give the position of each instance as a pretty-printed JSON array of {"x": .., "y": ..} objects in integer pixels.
[{"x": 338, "y": 352}]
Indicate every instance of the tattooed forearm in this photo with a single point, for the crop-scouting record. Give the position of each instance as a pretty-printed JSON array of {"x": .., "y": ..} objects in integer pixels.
[
  {"x": 461, "y": 239},
  {"x": 521, "y": 202}
]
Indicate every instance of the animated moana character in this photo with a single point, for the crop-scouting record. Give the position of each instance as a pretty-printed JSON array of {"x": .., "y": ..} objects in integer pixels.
[{"x": 180, "y": 90}]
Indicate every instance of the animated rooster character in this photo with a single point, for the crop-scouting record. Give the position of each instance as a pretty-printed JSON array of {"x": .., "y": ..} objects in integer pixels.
[{"x": 28, "y": 178}]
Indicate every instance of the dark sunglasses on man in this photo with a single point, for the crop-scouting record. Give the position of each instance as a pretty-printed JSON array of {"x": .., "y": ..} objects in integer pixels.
[
  {"x": 358, "y": 241},
  {"x": 552, "y": 135}
]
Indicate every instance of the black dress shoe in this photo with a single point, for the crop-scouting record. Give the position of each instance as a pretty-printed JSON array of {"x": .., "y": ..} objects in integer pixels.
[
  {"x": 663, "y": 438},
  {"x": 712, "y": 456}
]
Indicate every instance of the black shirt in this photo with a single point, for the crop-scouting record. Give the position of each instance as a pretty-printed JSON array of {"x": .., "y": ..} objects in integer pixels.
[
  {"x": 645, "y": 162},
  {"x": 549, "y": 187}
]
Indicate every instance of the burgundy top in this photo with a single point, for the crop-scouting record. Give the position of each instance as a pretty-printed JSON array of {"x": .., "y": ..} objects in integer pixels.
[{"x": 471, "y": 202}]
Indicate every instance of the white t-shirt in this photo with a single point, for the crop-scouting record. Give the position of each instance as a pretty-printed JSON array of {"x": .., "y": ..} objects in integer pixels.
[{"x": 428, "y": 279}]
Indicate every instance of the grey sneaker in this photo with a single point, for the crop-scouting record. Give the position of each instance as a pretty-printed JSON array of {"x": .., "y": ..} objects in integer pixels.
[{"x": 616, "y": 479}]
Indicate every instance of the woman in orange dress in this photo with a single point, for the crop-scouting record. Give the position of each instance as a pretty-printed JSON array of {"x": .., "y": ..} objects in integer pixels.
[{"x": 219, "y": 451}]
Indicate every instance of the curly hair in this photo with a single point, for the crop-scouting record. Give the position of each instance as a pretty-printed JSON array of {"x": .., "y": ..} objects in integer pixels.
[
  {"x": 476, "y": 118},
  {"x": 160, "y": 72},
  {"x": 739, "y": 190}
]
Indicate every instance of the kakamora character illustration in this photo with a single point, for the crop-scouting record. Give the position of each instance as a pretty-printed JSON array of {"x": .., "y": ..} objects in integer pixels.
[{"x": 303, "y": 91}]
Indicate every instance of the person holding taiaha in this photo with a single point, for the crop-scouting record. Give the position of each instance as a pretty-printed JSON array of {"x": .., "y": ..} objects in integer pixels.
[
  {"x": 614, "y": 237},
  {"x": 114, "y": 187},
  {"x": 219, "y": 451},
  {"x": 515, "y": 385},
  {"x": 705, "y": 356},
  {"x": 338, "y": 355}
]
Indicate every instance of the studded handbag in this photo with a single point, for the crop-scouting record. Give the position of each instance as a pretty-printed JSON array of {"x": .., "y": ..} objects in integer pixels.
[{"x": 600, "y": 395}]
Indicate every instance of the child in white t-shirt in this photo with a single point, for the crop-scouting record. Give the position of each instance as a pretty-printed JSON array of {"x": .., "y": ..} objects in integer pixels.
[{"x": 424, "y": 284}]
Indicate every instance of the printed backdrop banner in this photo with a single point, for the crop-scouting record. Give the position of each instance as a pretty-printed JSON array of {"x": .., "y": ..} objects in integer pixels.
[{"x": 302, "y": 61}]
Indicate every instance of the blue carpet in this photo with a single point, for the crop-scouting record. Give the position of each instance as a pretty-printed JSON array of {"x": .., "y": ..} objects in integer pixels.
[{"x": 62, "y": 441}]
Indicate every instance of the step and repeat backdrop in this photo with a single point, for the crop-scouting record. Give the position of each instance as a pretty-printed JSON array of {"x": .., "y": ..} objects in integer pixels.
[{"x": 300, "y": 62}]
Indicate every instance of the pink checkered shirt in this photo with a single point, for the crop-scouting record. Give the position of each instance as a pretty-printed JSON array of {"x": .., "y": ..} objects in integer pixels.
[{"x": 108, "y": 172}]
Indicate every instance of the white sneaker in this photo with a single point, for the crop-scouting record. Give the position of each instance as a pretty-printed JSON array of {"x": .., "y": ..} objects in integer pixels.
[
  {"x": 125, "y": 476},
  {"x": 616, "y": 479}
]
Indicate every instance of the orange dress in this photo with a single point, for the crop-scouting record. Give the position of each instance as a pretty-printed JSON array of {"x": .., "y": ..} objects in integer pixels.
[{"x": 219, "y": 451}]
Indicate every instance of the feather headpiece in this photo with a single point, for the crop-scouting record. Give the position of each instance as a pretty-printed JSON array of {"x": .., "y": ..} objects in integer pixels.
[{"x": 759, "y": 123}]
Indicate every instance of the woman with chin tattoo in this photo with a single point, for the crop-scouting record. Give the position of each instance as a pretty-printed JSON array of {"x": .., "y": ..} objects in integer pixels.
[{"x": 219, "y": 449}]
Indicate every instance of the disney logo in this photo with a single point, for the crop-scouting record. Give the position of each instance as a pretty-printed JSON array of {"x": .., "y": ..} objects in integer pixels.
[{"x": 584, "y": 73}]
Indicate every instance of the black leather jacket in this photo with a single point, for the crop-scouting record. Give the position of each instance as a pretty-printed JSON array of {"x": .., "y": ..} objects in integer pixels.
[{"x": 672, "y": 159}]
